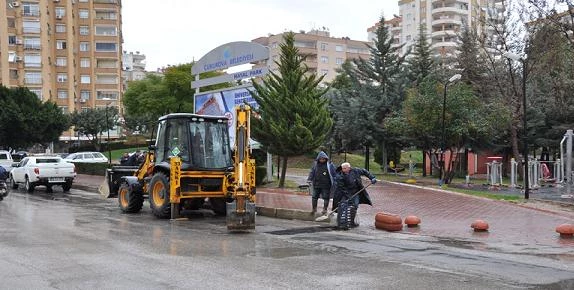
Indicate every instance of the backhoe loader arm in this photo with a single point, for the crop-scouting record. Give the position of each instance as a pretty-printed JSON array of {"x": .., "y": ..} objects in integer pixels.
[{"x": 241, "y": 211}]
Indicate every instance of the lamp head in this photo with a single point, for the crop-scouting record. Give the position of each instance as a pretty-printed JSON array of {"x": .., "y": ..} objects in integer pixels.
[{"x": 454, "y": 78}]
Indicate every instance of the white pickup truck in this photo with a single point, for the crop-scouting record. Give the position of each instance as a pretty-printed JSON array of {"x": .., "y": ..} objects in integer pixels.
[
  {"x": 43, "y": 170},
  {"x": 6, "y": 160}
]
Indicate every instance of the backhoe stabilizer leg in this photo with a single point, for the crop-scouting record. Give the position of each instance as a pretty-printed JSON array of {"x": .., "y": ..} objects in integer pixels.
[{"x": 240, "y": 220}]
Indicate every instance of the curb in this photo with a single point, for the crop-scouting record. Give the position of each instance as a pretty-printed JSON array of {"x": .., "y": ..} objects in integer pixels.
[{"x": 284, "y": 213}]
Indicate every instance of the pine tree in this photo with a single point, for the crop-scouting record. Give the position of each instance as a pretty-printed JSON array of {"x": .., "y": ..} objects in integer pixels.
[
  {"x": 421, "y": 63},
  {"x": 374, "y": 91},
  {"x": 293, "y": 117}
]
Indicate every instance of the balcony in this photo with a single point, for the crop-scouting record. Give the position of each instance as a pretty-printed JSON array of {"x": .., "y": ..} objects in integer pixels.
[
  {"x": 452, "y": 9},
  {"x": 307, "y": 50},
  {"x": 443, "y": 21},
  {"x": 447, "y": 2},
  {"x": 442, "y": 33},
  {"x": 444, "y": 44}
]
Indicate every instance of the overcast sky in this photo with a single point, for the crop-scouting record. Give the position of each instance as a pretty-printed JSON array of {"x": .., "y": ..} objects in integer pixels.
[{"x": 177, "y": 31}]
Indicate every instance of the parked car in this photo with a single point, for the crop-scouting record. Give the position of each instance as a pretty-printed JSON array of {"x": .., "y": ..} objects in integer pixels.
[
  {"x": 42, "y": 170},
  {"x": 6, "y": 160},
  {"x": 86, "y": 157}
]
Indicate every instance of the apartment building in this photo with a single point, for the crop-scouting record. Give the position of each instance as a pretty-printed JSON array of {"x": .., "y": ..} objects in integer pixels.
[
  {"x": 324, "y": 53},
  {"x": 65, "y": 51},
  {"x": 443, "y": 21}
]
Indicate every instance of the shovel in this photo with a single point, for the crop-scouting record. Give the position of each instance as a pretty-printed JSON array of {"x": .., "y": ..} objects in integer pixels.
[{"x": 329, "y": 214}]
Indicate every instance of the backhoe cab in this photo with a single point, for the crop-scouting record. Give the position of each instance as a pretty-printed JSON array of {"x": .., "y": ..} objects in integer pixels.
[{"x": 193, "y": 161}]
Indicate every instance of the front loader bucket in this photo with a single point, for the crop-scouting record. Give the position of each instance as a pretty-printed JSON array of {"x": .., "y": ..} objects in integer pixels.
[
  {"x": 104, "y": 188},
  {"x": 240, "y": 221}
]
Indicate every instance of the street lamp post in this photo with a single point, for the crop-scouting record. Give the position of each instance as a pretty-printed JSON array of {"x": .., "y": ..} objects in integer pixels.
[
  {"x": 452, "y": 79},
  {"x": 108, "y": 129},
  {"x": 523, "y": 61}
]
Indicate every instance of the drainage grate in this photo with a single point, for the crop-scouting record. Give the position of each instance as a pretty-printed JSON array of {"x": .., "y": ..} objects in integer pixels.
[{"x": 306, "y": 230}]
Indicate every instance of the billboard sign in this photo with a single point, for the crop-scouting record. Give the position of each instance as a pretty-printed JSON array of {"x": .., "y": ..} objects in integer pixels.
[
  {"x": 252, "y": 73},
  {"x": 230, "y": 54},
  {"x": 222, "y": 103}
]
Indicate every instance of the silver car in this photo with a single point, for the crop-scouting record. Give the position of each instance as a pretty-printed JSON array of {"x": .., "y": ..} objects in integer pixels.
[{"x": 86, "y": 157}]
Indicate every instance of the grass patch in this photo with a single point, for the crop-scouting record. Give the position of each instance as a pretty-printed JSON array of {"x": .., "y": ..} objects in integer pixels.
[{"x": 487, "y": 195}]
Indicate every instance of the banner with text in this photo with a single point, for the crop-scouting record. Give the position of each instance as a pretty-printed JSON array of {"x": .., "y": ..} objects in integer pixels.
[{"x": 222, "y": 103}]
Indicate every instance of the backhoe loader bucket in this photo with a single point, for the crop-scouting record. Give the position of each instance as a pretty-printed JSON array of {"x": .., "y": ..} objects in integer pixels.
[
  {"x": 240, "y": 221},
  {"x": 104, "y": 188}
]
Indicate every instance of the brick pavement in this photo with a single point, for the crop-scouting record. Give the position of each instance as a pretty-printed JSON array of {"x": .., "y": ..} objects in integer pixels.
[{"x": 443, "y": 213}]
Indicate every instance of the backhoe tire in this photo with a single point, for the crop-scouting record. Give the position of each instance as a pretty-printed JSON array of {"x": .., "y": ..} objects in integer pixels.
[
  {"x": 218, "y": 205},
  {"x": 159, "y": 196},
  {"x": 29, "y": 185},
  {"x": 130, "y": 201}
]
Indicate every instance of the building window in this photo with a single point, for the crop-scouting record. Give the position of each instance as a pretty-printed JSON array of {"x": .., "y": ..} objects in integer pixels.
[
  {"x": 64, "y": 109},
  {"x": 106, "y": 63},
  {"x": 60, "y": 12},
  {"x": 84, "y": 30},
  {"x": 32, "y": 43},
  {"x": 107, "y": 79},
  {"x": 84, "y": 62},
  {"x": 105, "y": 47},
  {"x": 60, "y": 44},
  {"x": 32, "y": 60},
  {"x": 61, "y": 61},
  {"x": 106, "y": 14},
  {"x": 11, "y": 23},
  {"x": 324, "y": 72},
  {"x": 408, "y": 38},
  {"x": 13, "y": 74},
  {"x": 85, "y": 79},
  {"x": 62, "y": 94},
  {"x": 11, "y": 56},
  {"x": 85, "y": 95},
  {"x": 60, "y": 28},
  {"x": 112, "y": 95},
  {"x": 31, "y": 26},
  {"x": 324, "y": 59},
  {"x": 323, "y": 46},
  {"x": 339, "y": 60},
  {"x": 62, "y": 78},
  {"x": 12, "y": 39},
  {"x": 37, "y": 91},
  {"x": 84, "y": 14},
  {"x": 30, "y": 9},
  {"x": 33, "y": 77},
  {"x": 84, "y": 46},
  {"x": 83, "y": 1},
  {"x": 339, "y": 48},
  {"x": 106, "y": 30}
]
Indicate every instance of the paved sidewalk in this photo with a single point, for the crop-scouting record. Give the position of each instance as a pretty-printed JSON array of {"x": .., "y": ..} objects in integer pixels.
[{"x": 444, "y": 214}]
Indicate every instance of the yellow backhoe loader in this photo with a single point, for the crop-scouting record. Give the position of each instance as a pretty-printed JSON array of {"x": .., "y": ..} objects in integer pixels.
[{"x": 192, "y": 162}]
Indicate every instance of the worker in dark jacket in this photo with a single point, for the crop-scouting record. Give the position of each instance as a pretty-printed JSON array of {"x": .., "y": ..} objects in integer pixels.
[
  {"x": 348, "y": 182},
  {"x": 322, "y": 179}
]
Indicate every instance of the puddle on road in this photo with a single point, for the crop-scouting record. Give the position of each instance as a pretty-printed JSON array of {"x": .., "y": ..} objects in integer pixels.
[
  {"x": 286, "y": 252},
  {"x": 307, "y": 230},
  {"x": 461, "y": 244}
]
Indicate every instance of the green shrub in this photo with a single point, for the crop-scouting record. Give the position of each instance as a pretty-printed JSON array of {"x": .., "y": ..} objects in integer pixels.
[
  {"x": 91, "y": 168},
  {"x": 260, "y": 173}
]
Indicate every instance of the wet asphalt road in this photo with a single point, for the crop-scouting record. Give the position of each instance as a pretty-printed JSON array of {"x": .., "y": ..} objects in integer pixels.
[{"x": 80, "y": 241}]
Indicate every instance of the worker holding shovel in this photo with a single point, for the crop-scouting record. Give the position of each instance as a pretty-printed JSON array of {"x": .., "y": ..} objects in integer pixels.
[
  {"x": 350, "y": 192},
  {"x": 321, "y": 181}
]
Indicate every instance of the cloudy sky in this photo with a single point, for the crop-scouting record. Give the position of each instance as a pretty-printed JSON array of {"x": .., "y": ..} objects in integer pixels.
[{"x": 177, "y": 31}]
